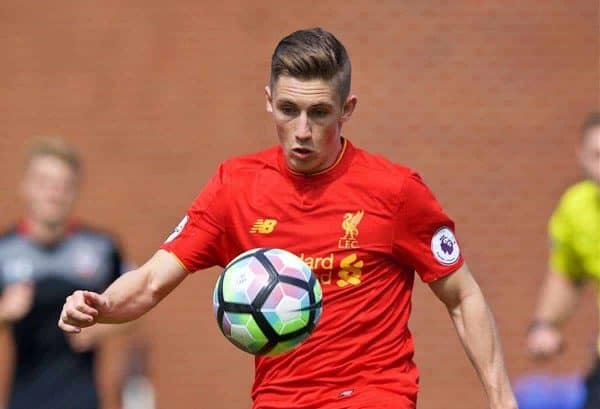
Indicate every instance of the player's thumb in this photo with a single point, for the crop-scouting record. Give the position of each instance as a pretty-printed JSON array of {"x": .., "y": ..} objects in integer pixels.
[{"x": 95, "y": 300}]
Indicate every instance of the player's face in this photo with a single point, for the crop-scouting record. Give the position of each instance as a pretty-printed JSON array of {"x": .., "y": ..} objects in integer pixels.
[
  {"x": 49, "y": 189},
  {"x": 589, "y": 154},
  {"x": 308, "y": 116}
]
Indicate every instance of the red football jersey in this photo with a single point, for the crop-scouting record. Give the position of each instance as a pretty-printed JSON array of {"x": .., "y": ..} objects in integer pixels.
[{"x": 364, "y": 226}]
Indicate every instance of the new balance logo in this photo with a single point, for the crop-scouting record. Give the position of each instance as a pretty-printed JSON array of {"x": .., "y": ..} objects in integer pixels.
[{"x": 263, "y": 226}]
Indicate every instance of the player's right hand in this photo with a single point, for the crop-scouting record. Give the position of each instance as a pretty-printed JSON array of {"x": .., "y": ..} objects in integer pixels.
[
  {"x": 544, "y": 342},
  {"x": 81, "y": 310}
]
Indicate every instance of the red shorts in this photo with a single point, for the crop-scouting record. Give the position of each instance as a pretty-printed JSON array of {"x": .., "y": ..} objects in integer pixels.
[{"x": 369, "y": 398}]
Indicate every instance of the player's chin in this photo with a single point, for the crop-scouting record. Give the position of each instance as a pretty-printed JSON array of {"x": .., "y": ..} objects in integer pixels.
[
  {"x": 305, "y": 164},
  {"x": 302, "y": 167}
]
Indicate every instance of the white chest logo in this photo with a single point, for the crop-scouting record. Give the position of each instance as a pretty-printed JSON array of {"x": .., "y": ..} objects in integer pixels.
[{"x": 444, "y": 246}]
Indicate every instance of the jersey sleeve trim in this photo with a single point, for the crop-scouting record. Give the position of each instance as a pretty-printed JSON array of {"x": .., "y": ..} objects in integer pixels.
[
  {"x": 178, "y": 260},
  {"x": 428, "y": 279}
]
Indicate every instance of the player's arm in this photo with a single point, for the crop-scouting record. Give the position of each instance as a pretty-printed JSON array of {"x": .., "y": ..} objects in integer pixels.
[
  {"x": 475, "y": 326},
  {"x": 128, "y": 298},
  {"x": 561, "y": 290},
  {"x": 15, "y": 301},
  {"x": 558, "y": 300}
]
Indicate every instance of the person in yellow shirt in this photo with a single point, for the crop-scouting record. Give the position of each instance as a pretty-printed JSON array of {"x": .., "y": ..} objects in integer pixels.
[{"x": 574, "y": 259}]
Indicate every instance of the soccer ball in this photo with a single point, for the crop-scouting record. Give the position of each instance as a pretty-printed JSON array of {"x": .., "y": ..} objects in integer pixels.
[{"x": 267, "y": 301}]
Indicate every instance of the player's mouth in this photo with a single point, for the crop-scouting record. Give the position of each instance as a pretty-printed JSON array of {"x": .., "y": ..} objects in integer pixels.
[{"x": 301, "y": 153}]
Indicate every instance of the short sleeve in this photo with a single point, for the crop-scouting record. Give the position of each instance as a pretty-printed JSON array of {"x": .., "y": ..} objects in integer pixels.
[
  {"x": 423, "y": 236},
  {"x": 563, "y": 259},
  {"x": 199, "y": 239}
]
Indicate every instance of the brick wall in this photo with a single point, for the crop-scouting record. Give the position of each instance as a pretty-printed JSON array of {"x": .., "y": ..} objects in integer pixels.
[{"x": 483, "y": 98}]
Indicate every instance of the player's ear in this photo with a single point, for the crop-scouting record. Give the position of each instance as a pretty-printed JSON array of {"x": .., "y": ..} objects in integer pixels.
[
  {"x": 269, "y": 99},
  {"x": 349, "y": 107}
]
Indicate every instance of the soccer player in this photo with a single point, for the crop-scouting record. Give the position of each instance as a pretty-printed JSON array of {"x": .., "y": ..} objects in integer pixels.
[
  {"x": 362, "y": 223},
  {"x": 574, "y": 230},
  {"x": 43, "y": 259}
]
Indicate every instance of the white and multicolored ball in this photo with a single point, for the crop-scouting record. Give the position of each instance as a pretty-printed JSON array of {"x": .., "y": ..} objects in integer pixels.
[{"x": 267, "y": 301}]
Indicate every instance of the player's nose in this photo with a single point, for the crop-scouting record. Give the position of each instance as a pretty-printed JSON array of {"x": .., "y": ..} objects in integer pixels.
[{"x": 303, "y": 130}]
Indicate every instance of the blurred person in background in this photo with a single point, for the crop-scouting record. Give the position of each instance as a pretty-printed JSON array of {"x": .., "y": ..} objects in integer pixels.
[
  {"x": 43, "y": 258},
  {"x": 138, "y": 389},
  {"x": 361, "y": 354},
  {"x": 574, "y": 259}
]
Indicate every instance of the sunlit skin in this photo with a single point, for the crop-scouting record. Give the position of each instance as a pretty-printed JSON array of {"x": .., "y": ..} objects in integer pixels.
[
  {"x": 308, "y": 116},
  {"x": 49, "y": 189},
  {"x": 589, "y": 154}
]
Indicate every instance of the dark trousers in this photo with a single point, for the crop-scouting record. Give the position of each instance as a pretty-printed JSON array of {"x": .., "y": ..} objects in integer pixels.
[{"x": 592, "y": 384}]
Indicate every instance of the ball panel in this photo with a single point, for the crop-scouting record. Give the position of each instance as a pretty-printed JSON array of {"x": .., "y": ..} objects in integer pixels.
[
  {"x": 267, "y": 301},
  {"x": 243, "y": 280},
  {"x": 286, "y": 346},
  {"x": 215, "y": 300},
  {"x": 288, "y": 264},
  {"x": 242, "y": 330},
  {"x": 287, "y": 308},
  {"x": 318, "y": 291}
]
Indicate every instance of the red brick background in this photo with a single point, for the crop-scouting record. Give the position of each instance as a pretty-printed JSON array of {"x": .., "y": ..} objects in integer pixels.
[{"x": 483, "y": 98}]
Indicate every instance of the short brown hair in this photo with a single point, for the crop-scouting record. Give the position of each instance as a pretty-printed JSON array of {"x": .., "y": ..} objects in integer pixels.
[
  {"x": 56, "y": 148},
  {"x": 592, "y": 120},
  {"x": 312, "y": 54}
]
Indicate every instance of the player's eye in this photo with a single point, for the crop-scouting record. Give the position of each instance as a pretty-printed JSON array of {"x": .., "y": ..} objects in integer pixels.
[
  {"x": 288, "y": 110},
  {"x": 320, "y": 113}
]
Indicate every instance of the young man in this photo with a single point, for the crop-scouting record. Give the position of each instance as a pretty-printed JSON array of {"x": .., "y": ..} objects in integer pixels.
[
  {"x": 300, "y": 193},
  {"x": 42, "y": 260},
  {"x": 574, "y": 231}
]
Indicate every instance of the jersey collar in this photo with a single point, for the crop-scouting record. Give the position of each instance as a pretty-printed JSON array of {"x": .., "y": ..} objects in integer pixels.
[
  {"x": 340, "y": 165},
  {"x": 24, "y": 227}
]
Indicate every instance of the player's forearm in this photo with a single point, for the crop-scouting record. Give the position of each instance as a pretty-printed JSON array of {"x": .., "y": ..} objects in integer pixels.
[
  {"x": 476, "y": 328},
  {"x": 558, "y": 300},
  {"x": 138, "y": 291},
  {"x": 128, "y": 298}
]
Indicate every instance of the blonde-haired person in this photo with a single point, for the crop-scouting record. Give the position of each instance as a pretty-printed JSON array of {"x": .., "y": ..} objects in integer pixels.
[
  {"x": 574, "y": 258},
  {"x": 43, "y": 258}
]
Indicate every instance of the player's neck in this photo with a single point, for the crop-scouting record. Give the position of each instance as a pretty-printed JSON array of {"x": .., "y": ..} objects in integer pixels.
[{"x": 45, "y": 233}]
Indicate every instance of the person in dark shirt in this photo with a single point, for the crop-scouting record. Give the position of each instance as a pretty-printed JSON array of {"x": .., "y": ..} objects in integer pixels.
[{"x": 44, "y": 258}]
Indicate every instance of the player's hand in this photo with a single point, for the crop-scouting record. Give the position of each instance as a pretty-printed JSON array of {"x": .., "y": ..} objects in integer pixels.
[
  {"x": 81, "y": 310},
  {"x": 16, "y": 301},
  {"x": 544, "y": 342}
]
